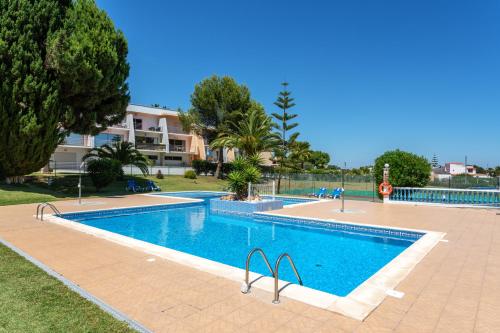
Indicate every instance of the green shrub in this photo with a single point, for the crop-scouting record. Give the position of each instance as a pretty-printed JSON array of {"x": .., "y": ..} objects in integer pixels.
[
  {"x": 199, "y": 166},
  {"x": 406, "y": 169},
  {"x": 190, "y": 174},
  {"x": 102, "y": 172},
  {"x": 117, "y": 167},
  {"x": 243, "y": 173}
]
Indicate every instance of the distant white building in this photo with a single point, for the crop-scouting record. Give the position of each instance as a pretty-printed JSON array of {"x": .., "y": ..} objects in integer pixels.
[
  {"x": 458, "y": 168},
  {"x": 453, "y": 169}
]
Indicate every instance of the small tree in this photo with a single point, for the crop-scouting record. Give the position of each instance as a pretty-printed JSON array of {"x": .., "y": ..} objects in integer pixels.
[
  {"x": 406, "y": 169},
  {"x": 252, "y": 135},
  {"x": 102, "y": 172},
  {"x": 319, "y": 159},
  {"x": 300, "y": 154},
  {"x": 216, "y": 103},
  {"x": 283, "y": 126},
  {"x": 243, "y": 173},
  {"x": 123, "y": 152}
]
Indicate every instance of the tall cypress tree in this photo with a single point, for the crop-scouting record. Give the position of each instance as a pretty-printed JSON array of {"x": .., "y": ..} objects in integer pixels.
[
  {"x": 62, "y": 68},
  {"x": 283, "y": 127},
  {"x": 30, "y": 106}
]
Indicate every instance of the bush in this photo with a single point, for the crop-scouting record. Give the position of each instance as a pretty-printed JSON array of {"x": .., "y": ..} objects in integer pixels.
[
  {"x": 243, "y": 173},
  {"x": 117, "y": 168},
  {"x": 190, "y": 174},
  {"x": 159, "y": 175},
  {"x": 406, "y": 169},
  {"x": 102, "y": 172},
  {"x": 199, "y": 166}
]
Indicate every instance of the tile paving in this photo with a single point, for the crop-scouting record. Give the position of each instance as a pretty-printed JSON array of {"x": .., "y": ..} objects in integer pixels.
[{"x": 455, "y": 288}]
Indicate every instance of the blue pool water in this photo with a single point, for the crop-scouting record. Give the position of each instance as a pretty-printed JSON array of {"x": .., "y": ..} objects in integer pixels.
[
  {"x": 210, "y": 195},
  {"x": 328, "y": 258}
]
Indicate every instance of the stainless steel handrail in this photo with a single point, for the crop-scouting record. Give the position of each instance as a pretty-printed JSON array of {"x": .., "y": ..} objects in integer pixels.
[
  {"x": 42, "y": 206},
  {"x": 246, "y": 287},
  {"x": 276, "y": 277}
]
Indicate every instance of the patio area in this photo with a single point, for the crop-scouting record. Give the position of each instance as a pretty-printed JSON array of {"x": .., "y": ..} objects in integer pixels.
[{"x": 454, "y": 288}]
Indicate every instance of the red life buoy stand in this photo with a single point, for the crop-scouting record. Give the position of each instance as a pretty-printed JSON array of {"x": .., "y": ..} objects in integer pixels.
[{"x": 385, "y": 188}]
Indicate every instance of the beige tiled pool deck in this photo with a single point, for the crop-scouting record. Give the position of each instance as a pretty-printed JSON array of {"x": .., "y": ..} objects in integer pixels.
[{"x": 455, "y": 288}]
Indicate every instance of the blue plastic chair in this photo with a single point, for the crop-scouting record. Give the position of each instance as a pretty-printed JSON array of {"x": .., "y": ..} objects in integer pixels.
[
  {"x": 151, "y": 186},
  {"x": 321, "y": 193},
  {"x": 336, "y": 193},
  {"x": 132, "y": 186}
]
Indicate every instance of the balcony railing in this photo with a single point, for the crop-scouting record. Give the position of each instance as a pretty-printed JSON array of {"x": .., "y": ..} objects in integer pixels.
[
  {"x": 151, "y": 146},
  {"x": 447, "y": 196},
  {"x": 176, "y": 130},
  {"x": 121, "y": 125},
  {"x": 74, "y": 140},
  {"x": 177, "y": 148}
]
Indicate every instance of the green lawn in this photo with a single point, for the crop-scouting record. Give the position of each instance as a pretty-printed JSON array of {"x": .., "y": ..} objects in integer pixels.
[
  {"x": 65, "y": 187},
  {"x": 33, "y": 301}
]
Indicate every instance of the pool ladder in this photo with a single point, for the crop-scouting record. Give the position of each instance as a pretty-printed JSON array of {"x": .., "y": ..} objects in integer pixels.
[
  {"x": 275, "y": 273},
  {"x": 40, "y": 208}
]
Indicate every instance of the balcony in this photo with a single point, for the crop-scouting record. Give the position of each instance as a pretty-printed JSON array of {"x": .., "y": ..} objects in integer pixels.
[
  {"x": 120, "y": 125},
  {"x": 177, "y": 148},
  {"x": 176, "y": 130},
  {"x": 151, "y": 146},
  {"x": 74, "y": 140}
]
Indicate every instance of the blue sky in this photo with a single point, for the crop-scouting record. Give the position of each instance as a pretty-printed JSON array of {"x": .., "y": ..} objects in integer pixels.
[{"x": 367, "y": 76}]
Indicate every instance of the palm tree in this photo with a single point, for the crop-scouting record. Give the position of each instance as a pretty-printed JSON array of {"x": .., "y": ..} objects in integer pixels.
[
  {"x": 121, "y": 151},
  {"x": 301, "y": 152},
  {"x": 252, "y": 135}
]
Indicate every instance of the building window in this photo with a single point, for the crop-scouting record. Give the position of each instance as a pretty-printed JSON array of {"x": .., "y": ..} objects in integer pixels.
[
  {"x": 173, "y": 158},
  {"x": 106, "y": 139},
  {"x": 137, "y": 123},
  {"x": 74, "y": 140},
  {"x": 177, "y": 145},
  {"x": 144, "y": 139},
  {"x": 153, "y": 157}
]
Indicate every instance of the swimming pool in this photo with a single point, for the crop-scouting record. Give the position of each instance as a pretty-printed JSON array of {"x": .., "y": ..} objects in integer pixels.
[
  {"x": 331, "y": 257},
  {"x": 210, "y": 195}
]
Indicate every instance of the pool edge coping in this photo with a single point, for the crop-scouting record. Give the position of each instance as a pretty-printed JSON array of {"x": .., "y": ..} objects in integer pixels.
[{"x": 358, "y": 304}]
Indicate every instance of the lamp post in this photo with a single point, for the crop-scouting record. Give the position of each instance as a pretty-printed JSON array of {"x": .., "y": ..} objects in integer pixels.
[
  {"x": 343, "y": 189},
  {"x": 373, "y": 183},
  {"x": 80, "y": 183}
]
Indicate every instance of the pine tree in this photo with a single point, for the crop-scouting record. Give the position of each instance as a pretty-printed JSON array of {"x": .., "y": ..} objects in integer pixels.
[
  {"x": 62, "y": 68},
  {"x": 283, "y": 127},
  {"x": 434, "y": 161}
]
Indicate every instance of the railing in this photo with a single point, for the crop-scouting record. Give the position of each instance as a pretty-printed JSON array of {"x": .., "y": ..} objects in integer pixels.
[
  {"x": 74, "y": 140},
  {"x": 447, "y": 196},
  {"x": 41, "y": 207},
  {"x": 121, "y": 125},
  {"x": 176, "y": 130},
  {"x": 265, "y": 188},
  {"x": 276, "y": 275},
  {"x": 177, "y": 148},
  {"x": 151, "y": 146},
  {"x": 245, "y": 288}
]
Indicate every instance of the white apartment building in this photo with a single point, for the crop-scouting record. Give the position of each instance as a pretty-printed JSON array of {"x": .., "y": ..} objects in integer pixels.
[{"x": 155, "y": 132}]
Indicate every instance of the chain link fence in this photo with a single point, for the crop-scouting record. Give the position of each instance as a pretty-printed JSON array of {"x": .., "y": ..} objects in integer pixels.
[{"x": 305, "y": 184}]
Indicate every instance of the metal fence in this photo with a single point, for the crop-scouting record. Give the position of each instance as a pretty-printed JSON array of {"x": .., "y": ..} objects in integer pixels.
[
  {"x": 466, "y": 182},
  {"x": 356, "y": 186},
  {"x": 74, "y": 167},
  {"x": 447, "y": 196}
]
